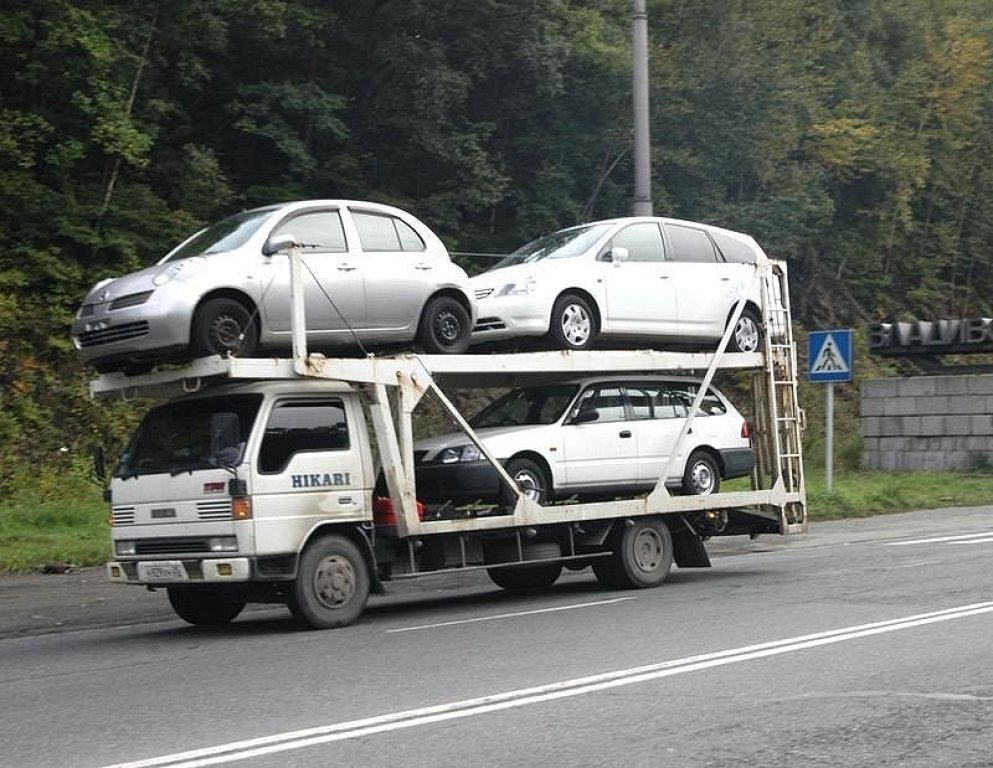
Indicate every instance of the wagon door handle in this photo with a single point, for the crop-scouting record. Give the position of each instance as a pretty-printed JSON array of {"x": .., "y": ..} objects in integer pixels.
[
  {"x": 625, "y": 433},
  {"x": 346, "y": 268},
  {"x": 423, "y": 266}
]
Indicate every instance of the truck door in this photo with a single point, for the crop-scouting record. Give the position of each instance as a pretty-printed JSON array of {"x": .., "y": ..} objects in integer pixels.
[{"x": 308, "y": 468}]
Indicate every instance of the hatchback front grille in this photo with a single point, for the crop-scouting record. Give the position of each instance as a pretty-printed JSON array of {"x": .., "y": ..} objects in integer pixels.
[
  {"x": 87, "y": 310},
  {"x": 131, "y": 300},
  {"x": 109, "y": 335}
]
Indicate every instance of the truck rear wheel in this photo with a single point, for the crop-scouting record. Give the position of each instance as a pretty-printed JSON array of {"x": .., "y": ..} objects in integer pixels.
[
  {"x": 332, "y": 584},
  {"x": 642, "y": 556},
  {"x": 203, "y": 607},
  {"x": 528, "y": 578}
]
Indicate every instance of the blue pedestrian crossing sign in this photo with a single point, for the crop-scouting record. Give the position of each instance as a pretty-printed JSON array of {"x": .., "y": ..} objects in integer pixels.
[{"x": 829, "y": 355}]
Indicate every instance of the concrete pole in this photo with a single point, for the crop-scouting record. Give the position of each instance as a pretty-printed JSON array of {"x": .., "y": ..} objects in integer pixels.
[{"x": 639, "y": 86}]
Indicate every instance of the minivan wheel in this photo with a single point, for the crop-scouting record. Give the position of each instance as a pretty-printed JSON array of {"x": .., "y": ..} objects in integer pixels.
[
  {"x": 747, "y": 335},
  {"x": 221, "y": 327},
  {"x": 702, "y": 476},
  {"x": 444, "y": 328},
  {"x": 573, "y": 324}
]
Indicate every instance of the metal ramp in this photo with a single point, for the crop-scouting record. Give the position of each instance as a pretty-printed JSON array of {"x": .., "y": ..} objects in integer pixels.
[{"x": 778, "y": 418}]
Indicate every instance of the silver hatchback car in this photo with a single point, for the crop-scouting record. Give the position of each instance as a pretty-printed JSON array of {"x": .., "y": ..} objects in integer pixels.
[{"x": 372, "y": 274}]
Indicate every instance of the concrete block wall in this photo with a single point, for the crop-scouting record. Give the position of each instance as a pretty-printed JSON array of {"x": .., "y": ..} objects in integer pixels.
[{"x": 927, "y": 422}]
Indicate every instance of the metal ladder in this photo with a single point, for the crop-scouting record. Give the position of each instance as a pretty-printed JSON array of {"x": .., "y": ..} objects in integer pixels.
[{"x": 776, "y": 408}]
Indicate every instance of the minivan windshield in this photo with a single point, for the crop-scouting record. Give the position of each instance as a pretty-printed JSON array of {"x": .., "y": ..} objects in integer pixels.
[
  {"x": 563, "y": 244},
  {"x": 176, "y": 437},
  {"x": 225, "y": 235},
  {"x": 526, "y": 406}
]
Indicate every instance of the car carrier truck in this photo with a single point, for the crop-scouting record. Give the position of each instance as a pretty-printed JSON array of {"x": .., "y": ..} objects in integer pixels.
[{"x": 291, "y": 480}]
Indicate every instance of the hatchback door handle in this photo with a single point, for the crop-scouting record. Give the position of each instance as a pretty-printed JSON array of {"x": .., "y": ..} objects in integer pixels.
[{"x": 625, "y": 433}]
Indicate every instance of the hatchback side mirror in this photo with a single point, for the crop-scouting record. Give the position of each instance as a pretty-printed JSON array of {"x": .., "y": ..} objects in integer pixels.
[{"x": 278, "y": 243}]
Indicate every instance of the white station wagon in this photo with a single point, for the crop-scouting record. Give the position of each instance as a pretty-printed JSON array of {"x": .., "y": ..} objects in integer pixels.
[
  {"x": 371, "y": 273},
  {"x": 592, "y": 438},
  {"x": 636, "y": 277}
]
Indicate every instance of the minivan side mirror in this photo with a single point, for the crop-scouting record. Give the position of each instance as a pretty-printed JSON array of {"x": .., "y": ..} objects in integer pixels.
[
  {"x": 616, "y": 254},
  {"x": 277, "y": 243}
]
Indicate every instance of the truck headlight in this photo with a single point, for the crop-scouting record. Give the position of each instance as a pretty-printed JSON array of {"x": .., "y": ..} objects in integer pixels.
[
  {"x": 460, "y": 453},
  {"x": 223, "y": 543},
  {"x": 125, "y": 547}
]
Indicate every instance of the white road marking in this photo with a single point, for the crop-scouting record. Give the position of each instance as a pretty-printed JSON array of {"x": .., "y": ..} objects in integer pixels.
[
  {"x": 352, "y": 729},
  {"x": 497, "y": 616},
  {"x": 966, "y": 538}
]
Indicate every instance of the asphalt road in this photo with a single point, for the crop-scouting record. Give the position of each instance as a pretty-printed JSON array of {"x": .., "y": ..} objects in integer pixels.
[{"x": 861, "y": 643}]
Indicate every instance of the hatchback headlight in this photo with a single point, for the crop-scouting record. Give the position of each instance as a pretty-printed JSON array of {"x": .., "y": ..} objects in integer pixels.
[
  {"x": 523, "y": 288},
  {"x": 460, "y": 453}
]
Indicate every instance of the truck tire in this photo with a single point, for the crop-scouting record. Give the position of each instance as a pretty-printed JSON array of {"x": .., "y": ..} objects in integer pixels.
[
  {"x": 530, "y": 478},
  {"x": 332, "y": 584},
  {"x": 642, "y": 555},
  {"x": 527, "y": 578},
  {"x": 223, "y": 326},
  {"x": 203, "y": 607},
  {"x": 702, "y": 476},
  {"x": 747, "y": 336},
  {"x": 444, "y": 328},
  {"x": 573, "y": 324}
]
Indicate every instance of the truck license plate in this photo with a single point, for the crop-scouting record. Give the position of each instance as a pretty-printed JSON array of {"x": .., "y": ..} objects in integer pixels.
[{"x": 165, "y": 571}]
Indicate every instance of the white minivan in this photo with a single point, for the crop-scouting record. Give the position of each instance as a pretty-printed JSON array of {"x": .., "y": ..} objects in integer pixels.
[{"x": 635, "y": 277}]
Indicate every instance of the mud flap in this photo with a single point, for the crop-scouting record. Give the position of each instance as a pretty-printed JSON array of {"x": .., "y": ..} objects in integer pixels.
[{"x": 688, "y": 549}]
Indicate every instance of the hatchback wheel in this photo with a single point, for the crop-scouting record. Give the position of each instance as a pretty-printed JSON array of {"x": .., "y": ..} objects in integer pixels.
[
  {"x": 223, "y": 327},
  {"x": 444, "y": 328}
]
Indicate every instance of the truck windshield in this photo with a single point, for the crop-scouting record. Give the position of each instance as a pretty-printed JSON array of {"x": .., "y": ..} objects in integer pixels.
[
  {"x": 176, "y": 437},
  {"x": 560, "y": 245},
  {"x": 226, "y": 235},
  {"x": 527, "y": 405}
]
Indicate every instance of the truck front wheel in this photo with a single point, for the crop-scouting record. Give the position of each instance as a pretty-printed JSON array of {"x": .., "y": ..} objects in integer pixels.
[
  {"x": 203, "y": 607},
  {"x": 332, "y": 584}
]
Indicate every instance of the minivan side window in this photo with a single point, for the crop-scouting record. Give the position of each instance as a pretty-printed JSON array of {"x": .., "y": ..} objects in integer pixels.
[
  {"x": 734, "y": 250},
  {"x": 319, "y": 231},
  {"x": 690, "y": 244},
  {"x": 381, "y": 232},
  {"x": 298, "y": 426},
  {"x": 643, "y": 242}
]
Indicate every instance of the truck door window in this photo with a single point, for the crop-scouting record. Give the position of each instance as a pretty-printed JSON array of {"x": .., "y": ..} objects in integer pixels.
[{"x": 299, "y": 426}]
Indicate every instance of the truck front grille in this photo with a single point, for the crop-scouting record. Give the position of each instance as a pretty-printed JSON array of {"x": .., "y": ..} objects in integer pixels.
[
  {"x": 122, "y": 516},
  {"x": 214, "y": 510},
  {"x": 174, "y": 546}
]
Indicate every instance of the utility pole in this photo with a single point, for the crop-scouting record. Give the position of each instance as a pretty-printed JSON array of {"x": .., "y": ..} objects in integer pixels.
[{"x": 642, "y": 142}]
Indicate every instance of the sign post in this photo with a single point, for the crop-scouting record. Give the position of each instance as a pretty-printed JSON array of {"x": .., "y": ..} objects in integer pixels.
[{"x": 829, "y": 359}]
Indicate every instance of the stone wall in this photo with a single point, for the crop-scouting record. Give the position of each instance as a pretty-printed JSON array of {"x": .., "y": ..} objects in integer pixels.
[{"x": 927, "y": 422}]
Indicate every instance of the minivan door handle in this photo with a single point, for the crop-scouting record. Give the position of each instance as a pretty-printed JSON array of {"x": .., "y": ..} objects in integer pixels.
[
  {"x": 423, "y": 266},
  {"x": 625, "y": 433}
]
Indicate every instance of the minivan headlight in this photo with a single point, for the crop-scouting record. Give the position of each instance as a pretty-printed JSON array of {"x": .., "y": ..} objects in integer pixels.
[
  {"x": 460, "y": 453},
  {"x": 523, "y": 288}
]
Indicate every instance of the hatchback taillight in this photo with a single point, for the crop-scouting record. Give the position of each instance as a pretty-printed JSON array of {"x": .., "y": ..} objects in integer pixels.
[{"x": 746, "y": 432}]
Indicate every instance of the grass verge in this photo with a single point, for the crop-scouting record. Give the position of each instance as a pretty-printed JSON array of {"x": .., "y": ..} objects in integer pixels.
[{"x": 74, "y": 531}]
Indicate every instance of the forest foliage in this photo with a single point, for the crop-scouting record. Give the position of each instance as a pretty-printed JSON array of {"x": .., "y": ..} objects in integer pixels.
[{"x": 851, "y": 137}]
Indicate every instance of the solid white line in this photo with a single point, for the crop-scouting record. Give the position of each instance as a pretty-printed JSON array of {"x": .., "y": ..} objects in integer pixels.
[
  {"x": 496, "y": 616},
  {"x": 267, "y": 745},
  {"x": 987, "y": 540},
  {"x": 939, "y": 539}
]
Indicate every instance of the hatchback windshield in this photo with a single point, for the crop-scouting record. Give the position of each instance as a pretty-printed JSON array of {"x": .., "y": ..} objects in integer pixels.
[
  {"x": 563, "y": 244},
  {"x": 226, "y": 235},
  {"x": 530, "y": 405},
  {"x": 177, "y": 437}
]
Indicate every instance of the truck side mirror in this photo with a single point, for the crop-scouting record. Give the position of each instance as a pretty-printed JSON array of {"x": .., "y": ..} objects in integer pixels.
[
  {"x": 225, "y": 439},
  {"x": 277, "y": 243},
  {"x": 99, "y": 463}
]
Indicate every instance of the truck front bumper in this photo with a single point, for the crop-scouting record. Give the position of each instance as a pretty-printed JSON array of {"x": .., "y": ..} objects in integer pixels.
[{"x": 164, "y": 573}]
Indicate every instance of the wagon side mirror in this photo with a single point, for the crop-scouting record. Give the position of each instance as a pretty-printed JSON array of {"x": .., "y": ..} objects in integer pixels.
[
  {"x": 277, "y": 243},
  {"x": 616, "y": 255}
]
